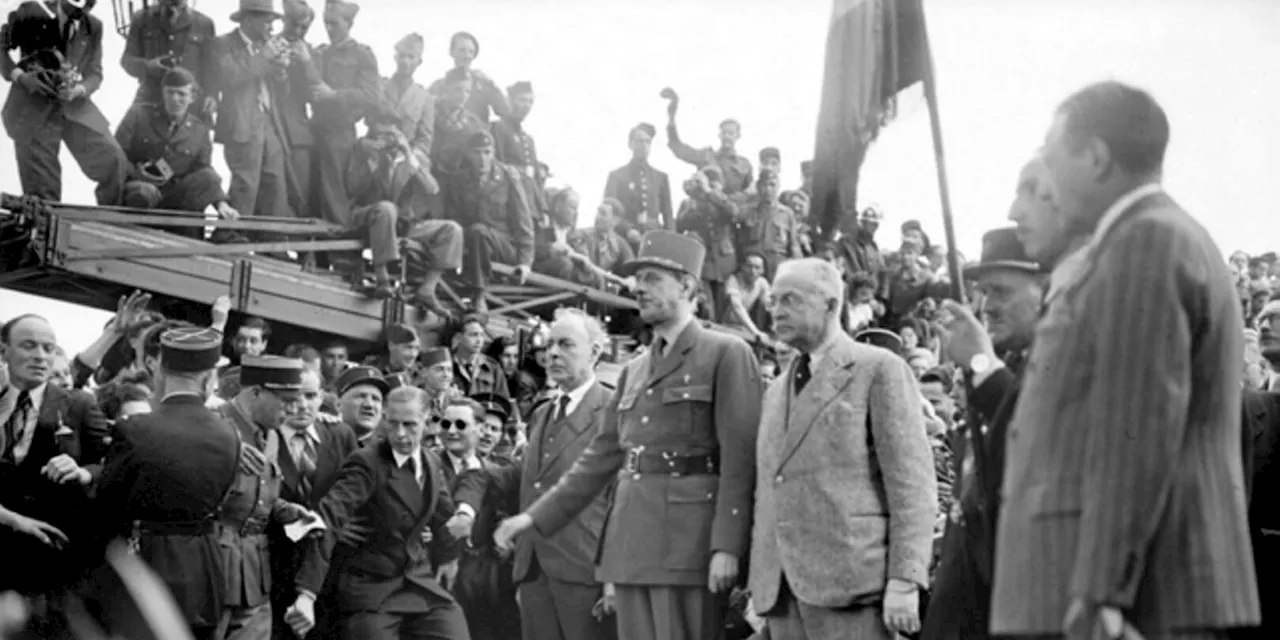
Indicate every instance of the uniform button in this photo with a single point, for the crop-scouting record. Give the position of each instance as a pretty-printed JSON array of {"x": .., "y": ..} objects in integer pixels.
[
  {"x": 635, "y": 476},
  {"x": 546, "y": 455},
  {"x": 686, "y": 395},
  {"x": 778, "y": 480},
  {"x": 644, "y": 420},
  {"x": 537, "y": 485},
  {"x": 733, "y": 512},
  {"x": 649, "y": 392}
]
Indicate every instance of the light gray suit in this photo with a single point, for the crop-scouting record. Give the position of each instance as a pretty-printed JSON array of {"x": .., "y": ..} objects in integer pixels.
[{"x": 846, "y": 496}]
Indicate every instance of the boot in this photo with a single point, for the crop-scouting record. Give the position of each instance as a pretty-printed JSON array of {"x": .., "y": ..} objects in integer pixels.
[
  {"x": 383, "y": 287},
  {"x": 425, "y": 296}
]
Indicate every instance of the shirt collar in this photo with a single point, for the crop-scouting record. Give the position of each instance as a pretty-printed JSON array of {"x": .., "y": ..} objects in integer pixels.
[
  {"x": 416, "y": 456},
  {"x": 575, "y": 396},
  {"x": 463, "y": 464},
  {"x": 822, "y": 351},
  {"x": 1122, "y": 204},
  {"x": 36, "y": 394},
  {"x": 312, "y": 434},
  {"x": 671, "y": 334}
]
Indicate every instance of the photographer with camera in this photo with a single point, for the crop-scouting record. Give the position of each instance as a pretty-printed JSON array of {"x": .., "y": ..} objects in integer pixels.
[
  {"x": 59, "y": 69},
  {"x": 171, "y": 152}
]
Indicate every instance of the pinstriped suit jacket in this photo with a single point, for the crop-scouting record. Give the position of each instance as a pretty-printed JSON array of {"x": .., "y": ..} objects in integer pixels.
[{"x": 1123, "y": 481}]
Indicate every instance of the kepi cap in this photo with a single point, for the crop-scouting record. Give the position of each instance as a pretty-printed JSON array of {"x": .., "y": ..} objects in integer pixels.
[
  {"x": 271, "y": 372},
  {"x": 360, "y": 375},
  {"x": 668, "y": 250},
  {"x": 770, "y": 152},
  {"x": 190, "y": 349},
  {"x": 645, "y": 127}
]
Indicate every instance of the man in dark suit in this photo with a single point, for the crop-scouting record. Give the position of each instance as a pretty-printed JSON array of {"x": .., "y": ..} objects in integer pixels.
[
  {"x": 1012, "y": 285},
  {"x": 60, "y": 68},
  {"x": 310, "y": 458},
  {"x": 396, "y": 584},
  {"x": 1261, "y": 437},
  {"x": 252, "y": 69},
  {"x": 1122, "y": 496},
  {"x": 683, "y": 436},
  {"x": 51, "y": 443},
  {"x": 645, "y": 192},
  {"x": 167, "y": 504},
  {"x": 556, "y": 574}
]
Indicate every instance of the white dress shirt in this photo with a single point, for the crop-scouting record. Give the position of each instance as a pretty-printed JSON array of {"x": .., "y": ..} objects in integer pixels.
[
  {"x": 575, "y": 396},
  {"x": 8, "y": 402},
  {"x": 417, "y": 463}
]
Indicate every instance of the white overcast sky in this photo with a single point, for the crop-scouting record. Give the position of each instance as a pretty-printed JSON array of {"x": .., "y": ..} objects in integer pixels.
[{"x": 597, "y": 67}]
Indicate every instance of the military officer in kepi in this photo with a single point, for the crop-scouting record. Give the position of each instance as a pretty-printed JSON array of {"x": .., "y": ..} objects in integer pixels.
[
  {"x": 270, "y": 388},
  {"x": 170, "y": 479},
  {"x": 680, "y": 439}
]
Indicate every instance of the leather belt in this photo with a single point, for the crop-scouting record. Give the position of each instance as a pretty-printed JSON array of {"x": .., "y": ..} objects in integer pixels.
[
  {"x": 190, "y": 528},
  {"x": 639, "y": 462}
]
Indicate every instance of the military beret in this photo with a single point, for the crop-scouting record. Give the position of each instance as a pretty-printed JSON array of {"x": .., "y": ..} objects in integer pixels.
[
  {"x": 494, "y": 403},
  {"x": 480, "y": 140},
  {"x": 463, "y": 34},
  {"x": 360, "y": 375},
  {"x": 520, "y": 88},
  {"x": 178, "y": 77},
  {"x": 731, "y": 122},
  {"x": 298, "y": 10},
  {"x": 770, "y": 152},
  {"x": 400, "y": 333},
  {"x": 412, "y": 43},
  {"x": 345, "y": 10},
  {"x": 434, "y": 356},
  {"x": 271, "y": 372},
  {"x": 882, "y": 338},
  {"x": 190, "y": 349},
  {"x": 648, "y": 129}
]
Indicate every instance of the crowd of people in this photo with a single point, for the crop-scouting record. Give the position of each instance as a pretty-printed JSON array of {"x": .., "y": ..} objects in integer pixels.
[{"x": 887, "y": 454}]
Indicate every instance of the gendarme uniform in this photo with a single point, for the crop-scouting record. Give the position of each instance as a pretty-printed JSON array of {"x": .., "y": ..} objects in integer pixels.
[
  {"x": 166, "y": 478},
  {"x": 254, "y": 499}
]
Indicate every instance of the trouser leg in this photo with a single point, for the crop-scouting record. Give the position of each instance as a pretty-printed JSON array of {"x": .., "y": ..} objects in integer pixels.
[
  {"x": 39, "y": 169},
  {"x": 378, "y": 221},
  {"x": 100, "y": 158}
]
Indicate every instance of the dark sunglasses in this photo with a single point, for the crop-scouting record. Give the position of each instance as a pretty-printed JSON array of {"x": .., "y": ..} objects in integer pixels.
[{"x": 447, "y": 424}]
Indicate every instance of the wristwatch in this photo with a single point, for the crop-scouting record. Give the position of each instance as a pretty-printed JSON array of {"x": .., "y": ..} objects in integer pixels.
[{"x": 979, "y": 364}]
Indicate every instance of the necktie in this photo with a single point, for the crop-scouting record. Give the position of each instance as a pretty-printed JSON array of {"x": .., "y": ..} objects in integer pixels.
[
  {"x": 562, "y": 406},
  {"x": 15, "y": 427},
  {"x": 305, "y": 460},
  {"x": 802, "y": 373},
  {"x": 658, "y": 346},
  {"x": 410, "y": 464}
]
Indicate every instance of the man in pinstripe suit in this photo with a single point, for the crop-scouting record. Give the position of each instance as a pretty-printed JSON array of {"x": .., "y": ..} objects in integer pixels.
[{"x": 1123, "y": 496}]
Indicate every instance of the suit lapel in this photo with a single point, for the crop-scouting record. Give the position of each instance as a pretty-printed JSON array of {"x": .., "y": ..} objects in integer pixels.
[
  {"x": 675, "y": 352},
  {"x": 43, "y": 437},
  {"x": 834, "y": 372},
  {"x": 577, "y": 423},
  {"x": 406, "y": 492}
]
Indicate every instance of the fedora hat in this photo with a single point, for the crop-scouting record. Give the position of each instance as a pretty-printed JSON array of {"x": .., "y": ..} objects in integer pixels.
[
  {"x": 668, "y": 250},
  {"x": 1002, "y": 250},
  {"x": 257, "y": 6}
]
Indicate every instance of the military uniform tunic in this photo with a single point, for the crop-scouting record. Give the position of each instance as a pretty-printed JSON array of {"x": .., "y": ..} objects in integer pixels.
[
  {"x": 186, "y": 38},
  {"x": 148, "y": 134}
]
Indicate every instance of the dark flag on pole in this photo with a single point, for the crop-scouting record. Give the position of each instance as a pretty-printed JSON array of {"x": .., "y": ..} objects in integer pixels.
[{"x": 875, "y": 49}]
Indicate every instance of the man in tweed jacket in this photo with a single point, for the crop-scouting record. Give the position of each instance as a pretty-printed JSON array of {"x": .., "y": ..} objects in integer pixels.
[
  {"x": 1123, "y": 495},
  {"x": 845, "y": 490}
]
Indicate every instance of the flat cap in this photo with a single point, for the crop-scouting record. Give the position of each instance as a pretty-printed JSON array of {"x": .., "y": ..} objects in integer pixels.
[
  {"x": 177, "y": 77},
  {"x": 434, "y": 356},
  {"x": 360, "y": 375},
  {"x": 271, "y": 372},
  {"x": 480, "y": 140},
  {"x": 190, "y": 349},
  {"x": 494, "y": 403},
  {"x": 770, "y": 152}
]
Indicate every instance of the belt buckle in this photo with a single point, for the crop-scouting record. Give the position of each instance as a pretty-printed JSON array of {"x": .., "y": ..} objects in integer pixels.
[{"x": 632, "y": 464}]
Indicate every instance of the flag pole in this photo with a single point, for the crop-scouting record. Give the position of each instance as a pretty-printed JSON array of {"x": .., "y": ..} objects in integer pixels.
[{"x": 940, "y": 163}]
